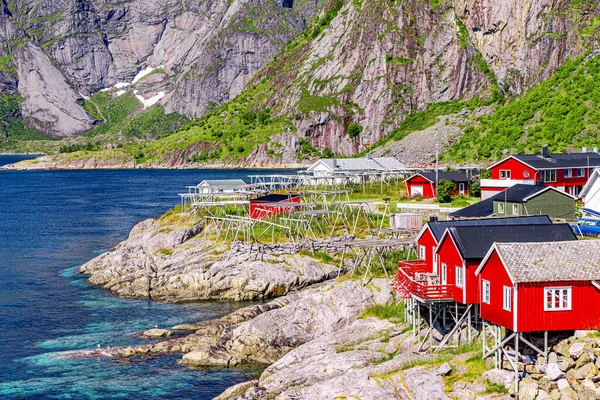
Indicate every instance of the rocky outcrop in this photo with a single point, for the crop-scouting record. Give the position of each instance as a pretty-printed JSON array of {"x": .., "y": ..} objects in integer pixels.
[
  {"x": 167, "y": 260},
  {"x": 49, "y": 103}
]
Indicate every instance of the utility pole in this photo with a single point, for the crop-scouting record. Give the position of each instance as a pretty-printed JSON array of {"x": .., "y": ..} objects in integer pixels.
[{"x": 436, "y": 170}]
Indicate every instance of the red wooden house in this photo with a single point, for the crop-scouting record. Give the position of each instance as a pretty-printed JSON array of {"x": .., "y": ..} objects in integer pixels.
[
  {"x": 423, "y": 183},
  {"x": 429, "y": 237},
  {"x": 272, "y": 204},
  {"x": 528, "y": 287},
  {"x": 462, "y": 248},
  {"x": 566, "y": 172}
]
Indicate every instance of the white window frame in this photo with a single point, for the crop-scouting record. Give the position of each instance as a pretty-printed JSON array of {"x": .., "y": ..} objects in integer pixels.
[
  {"x": 422, "y": 252},
  {"x": 568, "y": 173},
  {"x": 505, "y": 174},
  {"x": 507, "y": 298},
  {"x": 560, "y": 291},
  {"x": 434, "y": 258},
  {"x": 461, "y": 188},
  {"x": 485, "y": 291},
  {"x": 515, "y": 209},
  {"x": 444, "y": 274},
  {"x": 459, "y": 276},
  {"x": 580, "y": 172},
  {"x": 500, "y": 208},
  {"x": 545, "y": 173}
]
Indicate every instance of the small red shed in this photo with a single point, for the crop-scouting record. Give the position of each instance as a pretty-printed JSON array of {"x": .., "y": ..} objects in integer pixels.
[
  {"x": 272, "y": 204},
  {"x": 423, "y": 183},
  {"x": 462, "y": 248},
  {"x": 530, "y": 287}
]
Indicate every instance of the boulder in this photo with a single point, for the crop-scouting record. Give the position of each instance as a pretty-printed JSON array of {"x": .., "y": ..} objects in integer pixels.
[
  {"x": 576, "y": 350},
  {"x": 581, "y": 334},
  {"x": 566, "y": 364},
  {"x": 554, "y": 372},
  {"x": 543, "y": 395},
  {"x": 562, "y": 348},
  {"x": 156, "y": 333},
  {"x": 587, "y": 390},
  {"x": 528, "y": 389},
  {"x": 562, "y": 384},
  {"x": 555, "y": 394},
  {"x": 568, "y": 394},
  {"x": 546, "y": 384},
  {"x": 445, "y": 369},
  {"x": 586, "y": 370},
  {"x": 572, "y": 379},
  {"x": 500, "y": 377},
  {"x": 583, "y": 359},
  {"x": 552, "y": 358}
]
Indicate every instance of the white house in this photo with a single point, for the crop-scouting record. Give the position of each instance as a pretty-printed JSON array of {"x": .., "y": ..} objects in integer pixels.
[
  {"x": 221, "y": 186},
  {"x": 339, "y": 170},
  {"x": 590, "y": 194}
]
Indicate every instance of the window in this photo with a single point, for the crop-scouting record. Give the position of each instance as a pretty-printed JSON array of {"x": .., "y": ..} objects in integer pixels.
[
  {"x": 556, "y": 299},
  {"x": 504, "y": 174},
  {"x": 434, "y": 258},
  {"x": 580, "y": 172},
  {"x": 548, "y": 175},
  {"x": 444, "y": 276},
  {"x": 421, "y": 252},
  {"x": 485, "y": 294},
  {"x": 507, "y": 298},
  {"x": 500, "y": 208},
  {"x": 461, "y": 188},
  {"x": 459, "y": 277},
  {"x": 515, "y": 210},
  {"x": 568, "y": 173}
]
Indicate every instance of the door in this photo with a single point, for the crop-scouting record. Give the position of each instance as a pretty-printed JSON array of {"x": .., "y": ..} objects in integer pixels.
[
  {"x": 461, "y": 188},
  {"x": 416, "y": 190},
  {"x": 444, "y": 274}
]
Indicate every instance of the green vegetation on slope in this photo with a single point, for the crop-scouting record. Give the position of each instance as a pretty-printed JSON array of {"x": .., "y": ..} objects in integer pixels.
[
  {"x": 562, "y": 112},
  {"x": 10, "y": 122}
]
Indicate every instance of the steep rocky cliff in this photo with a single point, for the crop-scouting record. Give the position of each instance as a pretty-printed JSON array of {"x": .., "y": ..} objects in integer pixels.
[
  {"x": 342, "y": 82},
  {"x": 195, "y": 52}
]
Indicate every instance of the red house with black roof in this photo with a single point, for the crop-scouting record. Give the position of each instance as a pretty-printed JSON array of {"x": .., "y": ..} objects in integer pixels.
[
  {"x": 567, "y": 172},
  {"x": 462, "y": 248},
  {"x": 424, "y": 183},
  {"x": 272, "y": 204},
  {"x": 430, "y": 235},
  {"x": 535, "y": 287}
]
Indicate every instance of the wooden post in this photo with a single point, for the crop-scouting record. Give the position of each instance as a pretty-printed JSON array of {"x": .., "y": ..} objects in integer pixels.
[
  {"x": 517, "y": 364},
  {"x": 430, "y": 327},
  {"x": 546, "y": 347},
  {"x": 483, "y": 339},
  {"x": 469, "y": 332}
]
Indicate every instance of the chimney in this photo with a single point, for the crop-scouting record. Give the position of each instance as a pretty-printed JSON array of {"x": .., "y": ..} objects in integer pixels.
[
  {"x": 369, "y": 156},
  {"x": 433, "y": 218},
  {"x": 584, "y": 149},
  {"x": 545, "y": 151},
  {"x": 334, "y": 163}
]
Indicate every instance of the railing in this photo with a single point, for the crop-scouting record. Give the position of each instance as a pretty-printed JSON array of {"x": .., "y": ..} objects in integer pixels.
[{"x": 411, "y": 281}]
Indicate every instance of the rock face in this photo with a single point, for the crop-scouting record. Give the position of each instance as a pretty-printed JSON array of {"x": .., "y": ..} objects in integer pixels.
[
  {"x": 207, "y": 51},
  {"x": 168, "y": 261}
]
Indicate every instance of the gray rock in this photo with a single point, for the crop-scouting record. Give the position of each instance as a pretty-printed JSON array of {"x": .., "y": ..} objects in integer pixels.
[
  {"x": 500, "y": 377},
  {"x": 552, "y": 357},
  {"x": 444, "y": 369},
  {"x": 576, "y": 350},
  {"x": 566, "y": 364},
  {"x": 562, "y": 384},
  {"x": 568, "y": 394},
  {"x": 528, "y": 389},
  {"x": 587, "y": 390},
  {"x": 554, "y": 372},
  {"x": 543, "y": 395},
  {"x": 157, "y": 333}
]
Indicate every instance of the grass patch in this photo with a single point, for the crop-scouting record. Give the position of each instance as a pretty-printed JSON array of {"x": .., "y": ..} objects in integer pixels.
[{"x": 393, "y": 311}]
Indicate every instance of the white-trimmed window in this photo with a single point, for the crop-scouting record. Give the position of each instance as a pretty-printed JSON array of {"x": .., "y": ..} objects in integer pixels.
[
  {"x": 504, "y": 174},
  {"x": 507, "y": 298},
  {"x": 568, "y": 173},
  {"x": 548, "y": 175},
  {"x": 557, "y": 298},
  {"x": 444, "y": 274},
  {"x": 580, "y": 172},
  {"x": 434, "y": 257},
  {"x": 500, "y": 208},
  {"x": 421, "y": 252},
  {"x": 461, "y": 188},
  {"x": 515, "y": 209},
  {"x": 485, "y": 292},
  {"x": 459, "y": 276}
]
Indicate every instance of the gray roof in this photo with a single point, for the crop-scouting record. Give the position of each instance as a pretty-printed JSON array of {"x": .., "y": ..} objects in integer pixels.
[
  {"x": 556, "y": 261},
  {"x": 451, "y": 176},
  {"x": 566, "y": 160},
  {"x": 363, "y": 164},
  {"x": 223, "y": 182}
]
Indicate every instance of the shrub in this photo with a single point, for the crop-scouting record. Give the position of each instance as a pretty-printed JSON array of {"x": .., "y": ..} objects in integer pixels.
[
  {"x": 444, "y": 191},
  {"x": 327, "y": 153},
  {"x": 354, "y": 130}
]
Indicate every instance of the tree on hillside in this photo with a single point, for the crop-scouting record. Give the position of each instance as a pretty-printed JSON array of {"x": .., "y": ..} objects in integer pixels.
[{"x": 445, "y": 190}]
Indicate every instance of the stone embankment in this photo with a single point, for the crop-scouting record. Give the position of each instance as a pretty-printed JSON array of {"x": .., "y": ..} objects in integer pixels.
[{"x": 170, "y": 260}]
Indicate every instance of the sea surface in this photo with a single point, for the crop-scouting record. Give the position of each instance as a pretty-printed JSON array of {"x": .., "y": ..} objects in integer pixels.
[{"x": 50, "y": 223}]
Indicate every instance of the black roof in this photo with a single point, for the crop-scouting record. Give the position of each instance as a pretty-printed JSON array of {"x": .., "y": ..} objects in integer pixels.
[
  {"x": 438, "y": 227},
  {"x": 274, "y": 198},
  {"x": 474, "y": 242},
  {"x": 566, "y": 160},
  {"x": 485, "y": 208},
  {"x": 451, "y": 176}
]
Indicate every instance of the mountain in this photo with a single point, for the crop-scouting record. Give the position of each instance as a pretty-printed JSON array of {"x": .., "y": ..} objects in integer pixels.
[{"x": 340, "y": 77}]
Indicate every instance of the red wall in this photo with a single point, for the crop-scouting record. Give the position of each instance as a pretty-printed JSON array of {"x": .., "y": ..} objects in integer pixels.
[
  {"x": 449, "y": 254},
  {"x": 516, "y": 168},
  {"x": 584, "y": 313},
  {"x": 271, "y": 207},
  {"x": 428, "y": 187},
  {"x": 495, "y": 273},
  {"x": 427, "y": 240}
]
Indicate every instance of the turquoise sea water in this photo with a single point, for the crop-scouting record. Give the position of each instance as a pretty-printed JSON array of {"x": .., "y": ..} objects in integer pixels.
[{"x": 53, "y": 221}]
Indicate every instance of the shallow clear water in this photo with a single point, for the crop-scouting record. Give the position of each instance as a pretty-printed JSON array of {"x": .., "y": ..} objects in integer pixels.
[{"x": 53, "y": 221}]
